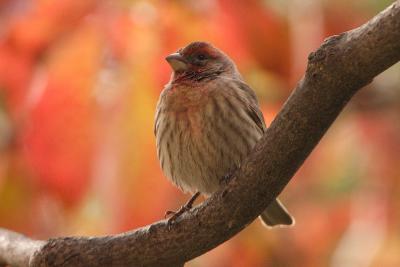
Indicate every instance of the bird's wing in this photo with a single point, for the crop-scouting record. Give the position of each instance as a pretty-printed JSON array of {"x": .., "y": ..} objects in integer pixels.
[
  {"x": 253, "y": 109},
  {"x": 255, "y": 113}
]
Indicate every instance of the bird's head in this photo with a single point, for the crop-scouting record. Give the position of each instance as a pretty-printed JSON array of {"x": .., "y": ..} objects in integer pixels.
[{"x": 199, "y": 60}]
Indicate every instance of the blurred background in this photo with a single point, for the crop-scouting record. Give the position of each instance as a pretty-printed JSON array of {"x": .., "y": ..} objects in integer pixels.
[{"x": 79, "y": 81}]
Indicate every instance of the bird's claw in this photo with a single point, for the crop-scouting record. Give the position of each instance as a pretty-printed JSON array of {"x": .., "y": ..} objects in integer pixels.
[
  {"x": 175, "y": 214},
  {"x": 226, "y": 178}
]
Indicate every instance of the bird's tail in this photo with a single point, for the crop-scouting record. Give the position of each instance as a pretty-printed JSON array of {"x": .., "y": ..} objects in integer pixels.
[{"x": 276, "y": 215}]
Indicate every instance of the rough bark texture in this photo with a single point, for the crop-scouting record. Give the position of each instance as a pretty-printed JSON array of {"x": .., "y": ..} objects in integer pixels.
[{"x": 336, "y": 71}]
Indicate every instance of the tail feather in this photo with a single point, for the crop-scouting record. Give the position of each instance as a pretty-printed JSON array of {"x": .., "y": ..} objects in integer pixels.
[{"x": 276, "y": 215}]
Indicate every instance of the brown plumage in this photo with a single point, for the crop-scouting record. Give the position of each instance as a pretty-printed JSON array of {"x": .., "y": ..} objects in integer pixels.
[{"x": 207, "y": 121}]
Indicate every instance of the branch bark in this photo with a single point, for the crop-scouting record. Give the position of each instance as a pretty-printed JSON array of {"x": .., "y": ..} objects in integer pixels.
[
  {"x": 16, "y": 249},
  {"x": 336, "y": 71}
]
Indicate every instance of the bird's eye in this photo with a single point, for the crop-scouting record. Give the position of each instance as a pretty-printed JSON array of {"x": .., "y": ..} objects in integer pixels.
[{"x": 201, "y": 57}]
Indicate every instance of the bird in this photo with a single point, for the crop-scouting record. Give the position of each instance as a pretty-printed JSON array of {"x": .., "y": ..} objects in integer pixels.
[{"x": 207, "y": 120}]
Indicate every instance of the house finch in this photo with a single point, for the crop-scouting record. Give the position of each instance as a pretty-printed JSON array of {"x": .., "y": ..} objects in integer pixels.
[{"x": 207, "y": 121}]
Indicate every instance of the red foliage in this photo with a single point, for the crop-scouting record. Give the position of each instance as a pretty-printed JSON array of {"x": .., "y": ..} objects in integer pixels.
[{"x": 58, "y": 142}]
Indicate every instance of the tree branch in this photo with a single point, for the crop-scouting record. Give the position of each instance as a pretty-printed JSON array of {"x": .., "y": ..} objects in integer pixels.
[
  {"x": 17, "y": 249},
  {"x": 336, "y": 71}
]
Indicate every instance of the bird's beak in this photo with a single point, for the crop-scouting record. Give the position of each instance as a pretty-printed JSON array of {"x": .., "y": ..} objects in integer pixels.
[{"x": 177, "y": 62}]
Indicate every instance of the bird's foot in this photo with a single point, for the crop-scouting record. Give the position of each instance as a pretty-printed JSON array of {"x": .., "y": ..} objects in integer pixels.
[
  {"x": 226, "y": 178},
  {"x": 176, "y": 214}
]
